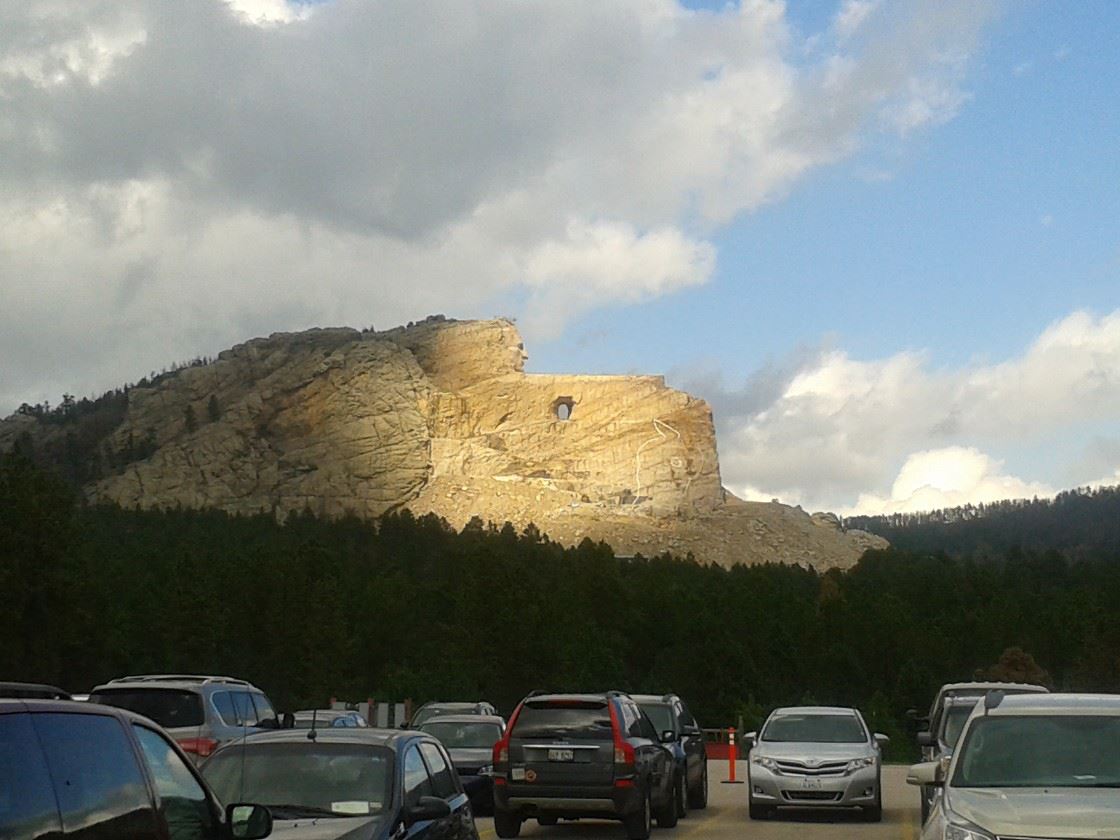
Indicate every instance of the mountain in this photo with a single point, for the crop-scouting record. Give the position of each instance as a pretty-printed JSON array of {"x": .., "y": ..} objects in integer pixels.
[{"x": 438, "y": 417}]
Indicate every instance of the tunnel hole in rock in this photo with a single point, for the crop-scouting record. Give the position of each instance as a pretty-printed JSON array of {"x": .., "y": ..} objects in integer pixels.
[{"x": 562, "y": 408}]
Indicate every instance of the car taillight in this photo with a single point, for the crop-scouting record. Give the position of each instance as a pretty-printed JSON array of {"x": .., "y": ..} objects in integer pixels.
[
  {"x": 623, "y": 752},
  {"x": 202, "y": 747},
  {"x": 500, "y": 755}
]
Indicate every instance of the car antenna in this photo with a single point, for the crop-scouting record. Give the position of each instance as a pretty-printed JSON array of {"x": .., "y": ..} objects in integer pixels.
[{"x": 311, "y": 733}]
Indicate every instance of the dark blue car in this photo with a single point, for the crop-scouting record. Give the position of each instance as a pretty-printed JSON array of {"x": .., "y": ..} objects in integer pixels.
[{"x": 357, "y": 784}]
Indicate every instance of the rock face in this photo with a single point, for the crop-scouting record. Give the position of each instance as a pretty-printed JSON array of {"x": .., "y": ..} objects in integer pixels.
[{"x": 440, "y": 417}]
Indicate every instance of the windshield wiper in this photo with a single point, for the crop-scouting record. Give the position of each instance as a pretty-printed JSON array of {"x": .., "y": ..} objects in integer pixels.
[{"x": 301, "y": 811}]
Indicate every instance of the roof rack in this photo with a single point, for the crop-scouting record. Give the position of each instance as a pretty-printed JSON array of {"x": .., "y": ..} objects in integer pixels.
[
  {"x": 196, "y": 678},
  {"x": 616, "y": 693}
]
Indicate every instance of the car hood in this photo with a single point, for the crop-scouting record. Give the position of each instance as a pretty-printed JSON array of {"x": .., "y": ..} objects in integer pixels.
[
  {"x": 471, "y": 757},
  {"x": 328, "y": 828},
  {"x": 1041, "y": 812},
  {"x": 799, "y": 751}
]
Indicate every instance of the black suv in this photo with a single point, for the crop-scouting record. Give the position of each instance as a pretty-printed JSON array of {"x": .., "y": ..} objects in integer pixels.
[
  {"x": 679, "y": 731},
  {"x": 566, "y": 756},
  {"x": 89, "y": 772}
]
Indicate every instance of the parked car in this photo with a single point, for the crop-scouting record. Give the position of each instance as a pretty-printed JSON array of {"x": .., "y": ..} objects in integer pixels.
[
  {"x": 818, "y": 757},
  {"x": 326, "y": 718},
  {"x": 566, "y": 756},
  {"x": 32, "y": 691},
  {"x": 85, "y": 771},
  {"x": 939, "y": 745},
  {"x": 470, "y": 740},
  {"x": 679, "y": 731},
  {"x": 357, "y": 784},
  {"x": 1030, "y": 765},
  {"x": 932, "y": 721},
  {"x": 199, "y": 712},
  {"x": 431, "y": 710}
]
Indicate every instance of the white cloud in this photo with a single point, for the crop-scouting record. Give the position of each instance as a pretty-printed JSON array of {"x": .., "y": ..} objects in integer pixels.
[
  {"x": 179, "y": 176},
  {"x": 832, "y": 427},
  {"x": 949, "y": 477}
]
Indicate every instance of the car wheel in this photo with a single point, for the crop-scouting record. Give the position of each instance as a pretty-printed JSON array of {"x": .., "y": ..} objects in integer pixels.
[
  {"x": 682, "y": 796},
  {"x": 925, "y": 806},
  {"x": 639, "y": 825},
  {"x": 875, "y": 812},
  {"x": 698, "y": 798},
  {"x": 761, "y": 812},
  {"x": 667, "y": 812},
  {"x": 506, "y": 824}
]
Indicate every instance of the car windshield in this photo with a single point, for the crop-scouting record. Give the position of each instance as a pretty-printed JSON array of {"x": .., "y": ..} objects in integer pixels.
[
  {"x": 304, "y": 778},
  {"x": 815, "y": 728},
  {"x": 955, "y": 717},
  {"x": 660, "y": 715},
  {"x": 429, "y": 712},
  {"x": 1040, "y": 751},
  {"x": 170, "y": 708},
  {"x": 589, "y": 720},
  {"x": 464, "y": 735}
]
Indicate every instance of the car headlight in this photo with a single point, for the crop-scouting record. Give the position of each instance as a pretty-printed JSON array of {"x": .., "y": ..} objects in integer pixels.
[
  {"x": 488, "y": 770},
  {"x": 859, "y": 763},
  {"x": 766, "y": 763},
  {"x": 964, "y": 831}
]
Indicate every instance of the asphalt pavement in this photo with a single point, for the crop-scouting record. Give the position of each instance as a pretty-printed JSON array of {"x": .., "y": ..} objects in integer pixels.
[{"x": 726, "y": 817}]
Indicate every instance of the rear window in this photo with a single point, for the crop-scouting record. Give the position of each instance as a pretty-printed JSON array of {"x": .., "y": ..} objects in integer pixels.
[
  {"x": 564, "y": 720},
  {"x": 169, "y": 707}
]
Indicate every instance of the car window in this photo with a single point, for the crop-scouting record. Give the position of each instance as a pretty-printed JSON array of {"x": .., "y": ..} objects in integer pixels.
[
  {"x": 183, "y": 802},
  {"x": 646, "y": 728},
  {"x": 564, "y": 719},
  {"x": 632, "y": 720},
  {"x": 27, "y": 806},
  {"x": 246, "y": 711},
  {"x": 454, "y": 735},
  {"x": 685, "y": 718},
  {"x": 100, "y": 788},
  {"x": 223, "y": 702},
  {"x": 661, "y": 716},
  {"x": 442, "y": 782},
  {"x": 169, "y": 707},
  {"x": 815, "y": 727},
  {"x": 264, "y": 708},
  {"x": 417, "y": 783}
]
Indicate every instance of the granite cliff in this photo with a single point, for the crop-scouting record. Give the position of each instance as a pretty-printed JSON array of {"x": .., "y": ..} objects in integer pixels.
[{"x": 439, "y": 417}]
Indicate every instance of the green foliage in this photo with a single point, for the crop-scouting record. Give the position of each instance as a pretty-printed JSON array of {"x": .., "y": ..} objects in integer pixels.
[{"x": 408, "y": 607}]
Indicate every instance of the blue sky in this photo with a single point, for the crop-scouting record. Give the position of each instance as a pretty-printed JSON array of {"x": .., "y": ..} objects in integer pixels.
[{"x": 880, "y": 238}]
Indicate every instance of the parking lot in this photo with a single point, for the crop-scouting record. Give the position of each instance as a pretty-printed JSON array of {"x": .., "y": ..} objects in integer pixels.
[{"x": 726, "y": 817}]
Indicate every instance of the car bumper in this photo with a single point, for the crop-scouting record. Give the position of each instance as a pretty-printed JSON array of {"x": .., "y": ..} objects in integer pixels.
[
  {"x": 848, "y": 791},
  {"x": 535, "y": 800}
]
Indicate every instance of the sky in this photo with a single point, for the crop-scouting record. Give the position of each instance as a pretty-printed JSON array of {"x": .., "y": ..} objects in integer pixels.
[{"x": 882, "y": 239}]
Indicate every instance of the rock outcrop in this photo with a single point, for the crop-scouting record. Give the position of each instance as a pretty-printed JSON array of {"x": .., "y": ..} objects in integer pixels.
[{"x": 441, "y": 417}]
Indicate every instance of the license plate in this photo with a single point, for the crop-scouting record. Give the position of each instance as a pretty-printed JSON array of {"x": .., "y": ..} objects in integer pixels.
[
  {"x": 810, "y": 783},
  {"x": 561, "y": 755}
]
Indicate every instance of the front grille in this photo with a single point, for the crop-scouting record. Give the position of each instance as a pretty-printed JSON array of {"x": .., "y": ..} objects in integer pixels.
[
  {"x": 801, "y": 768},
  {"x": 812, "y": 795}
]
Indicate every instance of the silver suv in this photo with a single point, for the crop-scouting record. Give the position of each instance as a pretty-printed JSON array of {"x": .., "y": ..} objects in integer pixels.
[
  {"x": 199, "y": 712},
  {"x": 1030, "y": 765},
  {"x": 813, "y": 757}
]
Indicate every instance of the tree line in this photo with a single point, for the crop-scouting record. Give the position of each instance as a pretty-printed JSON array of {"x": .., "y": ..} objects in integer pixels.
[{"x": 409, "y": 607}]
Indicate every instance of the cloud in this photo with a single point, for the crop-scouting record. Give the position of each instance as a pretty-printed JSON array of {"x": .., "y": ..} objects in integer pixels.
[
  {"x": 179, "y": 176},
  {"x": 834, "y": 427},
  {"x": 949, "y": 477}
]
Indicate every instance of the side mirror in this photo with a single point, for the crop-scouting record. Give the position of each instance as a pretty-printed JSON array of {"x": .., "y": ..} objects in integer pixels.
[
  {"x": 925, "y": 739},
  {"x": 750, "y": 739},
  {"x": 668, "y": 736},
  {"x": 248, "y": 822},
  {"x": 881, "y": 739},
  {"x": 428, "y": 808},
  {"x": 926, "y": 773}
]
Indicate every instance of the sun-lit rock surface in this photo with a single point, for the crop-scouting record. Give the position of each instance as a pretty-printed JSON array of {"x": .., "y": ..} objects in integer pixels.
[{"x": 440, "y": 417}]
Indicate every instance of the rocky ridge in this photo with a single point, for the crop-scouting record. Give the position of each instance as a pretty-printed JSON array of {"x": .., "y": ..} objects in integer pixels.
[{"x": 440, "y": 417}]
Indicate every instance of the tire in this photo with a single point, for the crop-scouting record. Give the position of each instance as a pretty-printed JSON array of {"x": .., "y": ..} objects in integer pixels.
[
  {"x": 547, "y": 820},
  {"x": 668, "y": 813},
  {"x": 698, "y": 797},
  {"x": 761, "y": 812},
  {"x": 506, "y": 824},
  {"x": 682, "y": 796},
  {"x": 925, "y": 805},
  {"x": 875, "y": 812},
  {"x": 639, "y": 825}
]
